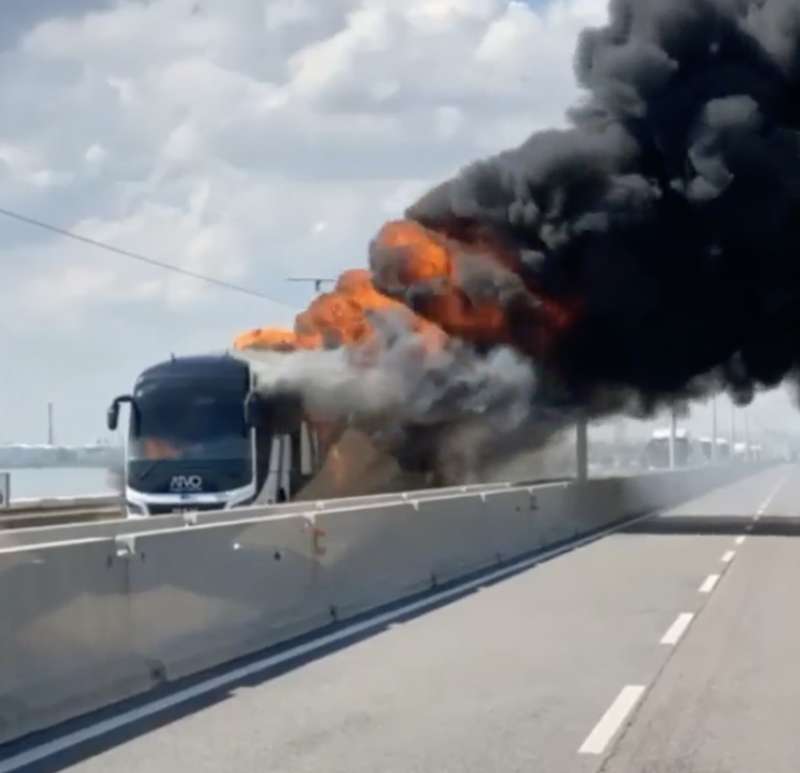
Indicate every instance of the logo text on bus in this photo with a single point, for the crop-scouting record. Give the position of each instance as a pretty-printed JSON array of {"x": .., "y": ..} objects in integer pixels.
[{"x": 186, "y": 483}]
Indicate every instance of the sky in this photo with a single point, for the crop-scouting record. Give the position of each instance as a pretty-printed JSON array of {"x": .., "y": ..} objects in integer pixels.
[{"x": 251, "y": 140}]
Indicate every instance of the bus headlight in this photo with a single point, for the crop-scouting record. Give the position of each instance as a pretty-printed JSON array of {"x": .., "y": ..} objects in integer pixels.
[{"x": 134, "y": 509}]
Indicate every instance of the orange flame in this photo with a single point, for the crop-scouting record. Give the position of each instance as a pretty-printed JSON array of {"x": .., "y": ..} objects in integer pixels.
[
  {"x": 411, "y": 255},
  {"x": 420, "y": 255},
  {"x": 267, "y": 338},
  {"x": 338, "y": 318}
]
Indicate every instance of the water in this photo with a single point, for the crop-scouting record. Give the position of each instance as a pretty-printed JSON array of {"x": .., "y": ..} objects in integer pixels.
[{"x": 36, "y": 482}]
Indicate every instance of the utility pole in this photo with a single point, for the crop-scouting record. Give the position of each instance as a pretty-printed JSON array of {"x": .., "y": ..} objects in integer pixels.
[
  {"x": 746, "y": 434},
  {"x": 50, "y": 434},
  {"x": 582, "y": 448},
  {"x": 713, "y": 429},
  {"x": 672, "y": 431}
]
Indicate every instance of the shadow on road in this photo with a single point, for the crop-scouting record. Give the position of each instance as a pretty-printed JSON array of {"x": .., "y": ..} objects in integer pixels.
[{"x": 770, "y": 526}]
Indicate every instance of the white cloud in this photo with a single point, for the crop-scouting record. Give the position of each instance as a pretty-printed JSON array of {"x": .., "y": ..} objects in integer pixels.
[
  {"x": 95, "y": 154},
  {"x": 26, "y": 166},
  {"x": 285, "y": 13},
  {"x": 330, "y": 64},
  {"x": 242, "y": 139},
  {"x": 449, "y": 119},
  {"x": 184, "y": 143},
  {"x": 430, "y": 15},
  {"x": 69, "y": 286},
  {"x": 130, "y": 34},
  {"x": 124, "y": 89}
]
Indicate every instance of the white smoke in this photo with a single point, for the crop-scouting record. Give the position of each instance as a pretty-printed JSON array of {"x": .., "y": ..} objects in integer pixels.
[{"x": 403, "y": 380}]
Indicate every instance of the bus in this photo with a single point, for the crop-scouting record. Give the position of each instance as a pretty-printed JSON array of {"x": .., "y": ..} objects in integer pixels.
[{"x": 200, "y": 437}]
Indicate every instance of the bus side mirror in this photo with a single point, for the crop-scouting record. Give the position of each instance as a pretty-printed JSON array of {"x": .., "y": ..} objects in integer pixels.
[{"x": 112, "y": 417}]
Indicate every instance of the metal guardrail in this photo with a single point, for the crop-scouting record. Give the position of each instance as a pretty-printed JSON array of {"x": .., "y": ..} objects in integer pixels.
[
  {"x": 52, "y": 511},
  {"x": 77, "y": 524},
  {"x": 5, "y": 491},
  {"x": 85, "y": 501},
  {"x": 47, "y": 518}
]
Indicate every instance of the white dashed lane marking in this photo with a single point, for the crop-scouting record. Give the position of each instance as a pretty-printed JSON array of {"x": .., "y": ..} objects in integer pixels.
[
  {"x": 612, "y": 720},
  {"x": 678, "y": 628},
  {"x": 709, "y": 583}
]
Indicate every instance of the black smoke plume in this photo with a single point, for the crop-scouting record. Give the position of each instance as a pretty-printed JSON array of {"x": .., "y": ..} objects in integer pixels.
[{"x": 669, "y": 213}]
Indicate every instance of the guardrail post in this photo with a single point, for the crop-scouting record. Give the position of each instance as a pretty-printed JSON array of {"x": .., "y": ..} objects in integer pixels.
[{"x": 5, "y": 490}]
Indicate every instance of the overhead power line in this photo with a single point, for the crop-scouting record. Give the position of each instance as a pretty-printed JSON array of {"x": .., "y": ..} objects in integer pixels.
[{"x": 138, "y": 256}]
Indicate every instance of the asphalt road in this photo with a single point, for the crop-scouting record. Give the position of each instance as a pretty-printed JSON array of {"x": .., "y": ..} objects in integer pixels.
[
  {"x": 669, "y": 647},
  {"x": 727, "y": 701}
]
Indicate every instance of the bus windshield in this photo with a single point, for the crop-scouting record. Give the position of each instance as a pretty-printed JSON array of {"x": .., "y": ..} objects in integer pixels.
[
  {"x": 191, "y": 432},
  {"x": 189, "y": 424}
]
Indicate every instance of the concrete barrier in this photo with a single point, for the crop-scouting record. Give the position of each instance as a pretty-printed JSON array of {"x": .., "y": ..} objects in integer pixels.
[
  {"x": 88, "y": 622},
  {"x": 409, "y": 546},
  {"x": 663, "y": 489},
  {"x": 536, "y": 517},
  {"x": 518, "y": 519},
  {"x": 202, "y": 596},
  {"x": 458, "y": 535},
  {"x": 371, "y": 553},
  {"x": 64, "y": 635}
]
